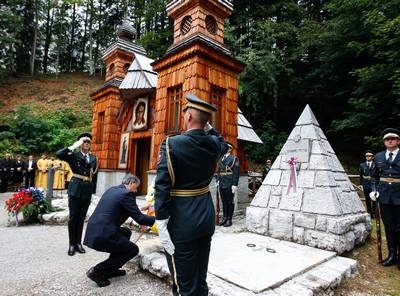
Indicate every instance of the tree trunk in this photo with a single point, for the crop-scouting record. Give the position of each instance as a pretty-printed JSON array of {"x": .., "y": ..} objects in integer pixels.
[
  {"x": 35, "y": 28},
  {"x": 59, "y": 42},
  {"x": 49, "y": 31},
  {"x": 91, "y": 62},
  {"x": 84, "y": 38},
  {"x": 70, "y": 47}
]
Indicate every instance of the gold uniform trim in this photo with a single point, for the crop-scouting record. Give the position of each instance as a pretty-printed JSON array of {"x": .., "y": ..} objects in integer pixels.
[
  {"x": 189, "y": 192},
  {"x": 84, "y": 178},
  {"x": 175, "y": 276},
  {"x": 390, "y": 180},
  {"x": 199, "y": 107},
  {"x": 367, "y": 177},
  {"x": 225, "y": 174},
  {"x": 169, "y": 163}
]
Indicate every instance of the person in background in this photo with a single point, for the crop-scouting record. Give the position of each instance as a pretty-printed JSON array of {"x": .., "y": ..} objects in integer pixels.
[
  {"x": 228, "y": 179},
  {"x": 267, "y": 168},
  {"x": 6, "y": 167},
  {"x": 367, "y": 171},
  {"x": 387, "y": 182},
  {"x": 18, "y": 176},
  {"x": 42, "y": 171},
  {"x": 84, "y": 166},
  {"x": 105, "y": 234},
  {"x": 29, "y": 171}
]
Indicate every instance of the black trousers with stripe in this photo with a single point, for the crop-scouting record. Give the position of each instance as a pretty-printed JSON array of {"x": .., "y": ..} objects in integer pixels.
[{"x": 188, "y": 267}]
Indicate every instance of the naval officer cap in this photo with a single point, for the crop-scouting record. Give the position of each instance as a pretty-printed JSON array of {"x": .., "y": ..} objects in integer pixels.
[
  {"x": 196, "y": 103},
  {"x": 369, "y": 154},
  {"x": 83, "y": 135},
  {"x": 390, "y": 133}
]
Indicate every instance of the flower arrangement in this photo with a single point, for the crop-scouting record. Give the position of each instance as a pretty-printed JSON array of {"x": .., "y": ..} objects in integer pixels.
[{"x": 31, "y": 202}]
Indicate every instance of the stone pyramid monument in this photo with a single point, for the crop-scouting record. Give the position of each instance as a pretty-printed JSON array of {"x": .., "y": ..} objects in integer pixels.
[{"x": 312, "y": 201}]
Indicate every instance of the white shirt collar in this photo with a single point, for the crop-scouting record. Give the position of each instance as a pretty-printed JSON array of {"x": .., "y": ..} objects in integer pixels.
[{"x": 394, "y": 153}]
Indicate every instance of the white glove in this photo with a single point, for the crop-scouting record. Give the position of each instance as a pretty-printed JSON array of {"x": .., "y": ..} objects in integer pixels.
[
  {"x": 234, "y": 189},
  {"x": 207, "y": 127},
  {"x": 374, "y": 195},
  {"x": 361, "y": 188},
  {"x": 76, "y": 144},
  {"x": 164, "y": 236},
  {"x": 217, "y": 183}
]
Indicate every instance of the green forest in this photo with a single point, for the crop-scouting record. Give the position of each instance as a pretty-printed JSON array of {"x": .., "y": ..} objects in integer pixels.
[{"x": 340, "y": 56}]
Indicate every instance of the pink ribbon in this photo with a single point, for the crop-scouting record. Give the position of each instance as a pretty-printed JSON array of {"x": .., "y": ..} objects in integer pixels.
[
  {"x": 293, "y": 175},
  {"x": 16, "y": 218}
]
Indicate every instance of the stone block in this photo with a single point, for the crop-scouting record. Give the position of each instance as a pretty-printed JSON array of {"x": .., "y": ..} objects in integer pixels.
[
  {"x": 48, "y": 217},
  {"x": 276, "y": 164},
  {"x": 61, "y": 217},
  {"x": 333, "y": 277},
  {"x": 306, "y": 178},
  {"x": 361, "y": 233},
  {"x": 328, "y": 241},
  {"x": 257, "y": 219},
  {"x": 293, "y": 289},
  {"x": 298, "y": 235},
  {"x": 340, "y": 225},
  {"x": 304, "y": 220},
  {"x": 295, "y": 134},
  {"x": 340, "y": 177},
  {"x": 321, "y": 223},
  {"x": 60, "y": 203},
  {"x": 300, "y": 150},
  {"x": 273, "y": 177},
  {"x": 276, "y": 190},
  {"x": 325, "y": 179},
  {"x": 262, "y": 197},
  {"x": 292, "y": 201},
  {"x": 274, "y": 201},
  {"x": 321, "y": 201},
  {"x": 318, "y": 148},
  {"x": 281, "y": 224},
  {"x": 336, "y": 264},
  {"x": 319, "y": 162}
]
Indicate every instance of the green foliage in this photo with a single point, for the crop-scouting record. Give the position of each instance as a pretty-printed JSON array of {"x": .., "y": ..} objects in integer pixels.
[
  {"x": 273, "y": 140},
  {"x": 31, "y": 132}
]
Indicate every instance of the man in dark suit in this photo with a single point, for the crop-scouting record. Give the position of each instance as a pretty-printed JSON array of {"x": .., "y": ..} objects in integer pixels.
[
  {"x": 84, "y": 166},
  {"x": 185, "y": 214},
  {"x": 105, "y": 234},
  {"x": 387, "y": 180},
  {"x": 29, "y": 170},
  {"x": 6, "y": 171},
  {"x": 367, "y": 171},
  {"x": 228, "y": 179}
]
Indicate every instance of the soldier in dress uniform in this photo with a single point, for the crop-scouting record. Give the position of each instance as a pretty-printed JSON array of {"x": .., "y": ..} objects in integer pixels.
[
  {"x": 185, "y": 214},
  {"x": 84, "y": 166},
  {"x": 228, "y": 179},
  {"x": 387, "y": 181},
  {"x": 367, "y": 171}
]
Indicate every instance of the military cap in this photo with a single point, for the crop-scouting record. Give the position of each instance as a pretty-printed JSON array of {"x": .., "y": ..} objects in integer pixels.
[
  {"x": 390, "y": 133},
  {"x": 230, "y": 145},
  {"x": 369, "y": 154},
  {"x": 196, "y": 103},
  {"x": 89, "y": 135}
]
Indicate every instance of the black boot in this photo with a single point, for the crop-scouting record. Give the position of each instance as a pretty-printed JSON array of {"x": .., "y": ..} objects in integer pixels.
[
  {"x": 71, "y": 250},
  {"x": 223, "y": 222},
  {"x": 392, "y": 248},
  {"x": 80, "y": 249},
  {"x": 228, "y": 222}
]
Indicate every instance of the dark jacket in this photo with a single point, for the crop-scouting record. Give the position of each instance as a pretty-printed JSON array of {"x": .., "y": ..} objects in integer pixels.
[
  {"x": 77, "y": 187},
  {"x": 228, "y": 173},
  {"x": 194, "y": 156},
  {"x": 114, "y": 207},
  {"x": 366, "y": 175},
  {"x": 6, "y": 166},
  {"x": 388, "y": 191},
  {"x": 26, "y": 165}
]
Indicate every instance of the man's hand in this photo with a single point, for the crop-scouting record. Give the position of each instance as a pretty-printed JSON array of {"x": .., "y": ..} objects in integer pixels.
[
  {"x": 361, "y": 188},
  {"x": 164, "y": 236},
  {"x": 76, "y": 144},
  {"x": 374, "y": 195},
  {"x": 234, "y": 189}
]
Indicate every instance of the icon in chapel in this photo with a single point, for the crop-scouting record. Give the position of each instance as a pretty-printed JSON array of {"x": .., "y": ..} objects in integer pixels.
[{"x": 139, "y": 118}]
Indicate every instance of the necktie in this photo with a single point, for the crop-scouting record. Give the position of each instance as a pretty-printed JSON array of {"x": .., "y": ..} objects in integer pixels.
[
  {"x": 87, "y": 158},
  {"x": 390, "y": 159}
]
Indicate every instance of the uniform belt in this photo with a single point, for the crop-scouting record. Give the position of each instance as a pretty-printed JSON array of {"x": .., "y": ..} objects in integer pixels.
[
  {"x": 390, "y": 180},
  {"x": 189, "y": 192},
  {"x": 367, "y": 177},
  {"x": 84, "y": 178},
  {"x": 225, "y": 174}
]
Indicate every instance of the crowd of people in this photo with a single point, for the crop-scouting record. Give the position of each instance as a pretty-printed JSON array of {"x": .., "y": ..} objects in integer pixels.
[{"x": 16, "y": 173}]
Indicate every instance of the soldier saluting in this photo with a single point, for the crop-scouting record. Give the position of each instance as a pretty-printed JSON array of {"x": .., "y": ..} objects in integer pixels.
[
  {"x": 228, "y": 179},
  {"x": 387, "y": 180},
  {"x": 84, "y": 166},
  {"x": 185, "y": 213}
]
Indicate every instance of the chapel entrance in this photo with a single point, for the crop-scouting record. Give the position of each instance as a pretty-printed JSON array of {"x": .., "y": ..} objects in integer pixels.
[{"x": 142, "y": 160}]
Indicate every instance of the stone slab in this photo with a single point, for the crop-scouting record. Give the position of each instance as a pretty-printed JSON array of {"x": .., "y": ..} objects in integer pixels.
[{"x": 289, "y": 260}]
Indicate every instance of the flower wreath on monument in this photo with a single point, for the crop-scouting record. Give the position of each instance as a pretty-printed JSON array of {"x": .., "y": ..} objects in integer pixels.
[{"x": 31, "y": 202}]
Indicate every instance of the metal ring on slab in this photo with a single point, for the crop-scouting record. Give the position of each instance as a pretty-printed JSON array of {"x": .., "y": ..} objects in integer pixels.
[
  {"x": 269, "y": 250},
  {"x": 251, "y": 245}
]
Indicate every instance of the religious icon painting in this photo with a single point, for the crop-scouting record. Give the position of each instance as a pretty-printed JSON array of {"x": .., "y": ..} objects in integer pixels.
[
  {"x": 139, "y": 117},
  {"x": 123, "y": 151}
]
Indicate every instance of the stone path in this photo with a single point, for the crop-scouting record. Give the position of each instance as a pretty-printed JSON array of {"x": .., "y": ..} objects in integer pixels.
[{"x": 33, "y": 261}]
